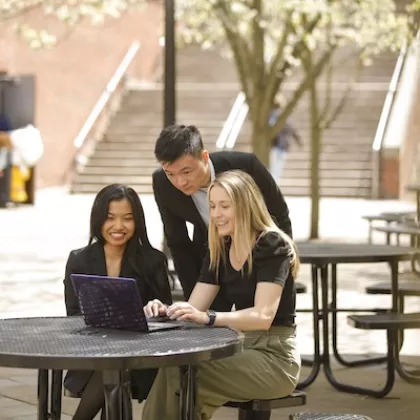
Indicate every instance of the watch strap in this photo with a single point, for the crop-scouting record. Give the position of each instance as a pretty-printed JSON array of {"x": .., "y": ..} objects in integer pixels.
[{"x": 212, "y": 317}]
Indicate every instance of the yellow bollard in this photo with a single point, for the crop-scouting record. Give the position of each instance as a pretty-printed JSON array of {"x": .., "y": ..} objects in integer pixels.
[{"x": 17, "y": 188}]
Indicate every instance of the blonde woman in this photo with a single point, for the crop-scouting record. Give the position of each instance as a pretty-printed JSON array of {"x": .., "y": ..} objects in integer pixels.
[{"x": 254, "y": 264}]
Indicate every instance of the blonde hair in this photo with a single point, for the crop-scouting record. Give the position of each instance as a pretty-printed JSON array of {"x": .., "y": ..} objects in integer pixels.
[{"x": 252, "y": 220}]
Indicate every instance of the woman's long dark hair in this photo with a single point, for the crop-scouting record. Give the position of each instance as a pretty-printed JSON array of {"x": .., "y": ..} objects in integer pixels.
[{"x": 139, "y": 245}]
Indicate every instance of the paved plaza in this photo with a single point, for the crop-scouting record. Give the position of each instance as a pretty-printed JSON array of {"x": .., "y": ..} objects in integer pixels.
[{"x": 35, "y": 242}]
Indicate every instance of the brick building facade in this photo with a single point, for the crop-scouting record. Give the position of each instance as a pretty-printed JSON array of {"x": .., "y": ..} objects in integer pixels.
[{"x": 71, "y": 76}]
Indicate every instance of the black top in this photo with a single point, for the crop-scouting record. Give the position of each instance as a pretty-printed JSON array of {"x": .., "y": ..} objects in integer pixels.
[
  {"x": 63, "y": 343},
  {"x": 176, "y": 209},
  {"x": 271, "y": 263},
  {"x": 152, "y": 283}
]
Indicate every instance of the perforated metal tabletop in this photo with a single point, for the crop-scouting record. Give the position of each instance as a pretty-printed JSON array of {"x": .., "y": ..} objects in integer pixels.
[
  {"x": 65, "y": 343},
  {"x": 330, "y": 253}
]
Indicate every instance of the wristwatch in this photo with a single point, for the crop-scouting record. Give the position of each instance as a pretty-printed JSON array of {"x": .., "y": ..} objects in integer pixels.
[{"x": 212, "y": 317}]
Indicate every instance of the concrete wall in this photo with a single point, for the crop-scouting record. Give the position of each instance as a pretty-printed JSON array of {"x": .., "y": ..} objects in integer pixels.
[{"x": 410, "y": 149}]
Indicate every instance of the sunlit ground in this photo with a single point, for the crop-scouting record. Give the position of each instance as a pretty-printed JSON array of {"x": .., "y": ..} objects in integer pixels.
[{"x": 35, "y": 243}]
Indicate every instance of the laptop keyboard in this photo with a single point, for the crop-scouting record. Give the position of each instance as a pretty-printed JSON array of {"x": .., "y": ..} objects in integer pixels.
[{"x": 158, "y": 319}]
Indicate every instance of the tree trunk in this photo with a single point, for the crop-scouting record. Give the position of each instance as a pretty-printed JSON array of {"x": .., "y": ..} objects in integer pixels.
[
  {"x": 261, "y": 144},
  {"x": 315, "y": 189},
  {"x": 316, "y": 137}
]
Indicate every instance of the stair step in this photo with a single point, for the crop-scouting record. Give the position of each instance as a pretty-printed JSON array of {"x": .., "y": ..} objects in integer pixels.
[
  {"x": 154, "y": 131},
  {"x": 327, "y": 156},
  {"x": 339, "y": 155},
  {"x": 132, "y": 155},
  {"x": 135, "y": 168},
  {"x": 93, "y": 188},
  {"x": 145, "y": 160},
  {"x": 129, "y": 162},
  {"x": 357, "y": 123},
  {"x": 106, "y": 179},
  {"x": 139, "y": 176},
  {"x": 328, "y": 172},
  {"x": 302, "y": 165},
  {"x": 342, "y": 192},
  {"x": 327, "y": 182},
  {"x": 147, "y": 169},
  {"x": 130, "y": 142},
  {"x": 147, "y": 141}
]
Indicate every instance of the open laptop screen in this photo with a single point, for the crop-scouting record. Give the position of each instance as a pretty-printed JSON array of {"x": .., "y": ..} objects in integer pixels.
[{"x": 110, "y": 302}]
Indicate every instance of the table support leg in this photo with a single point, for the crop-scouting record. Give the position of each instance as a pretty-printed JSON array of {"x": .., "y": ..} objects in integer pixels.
[
  {"x": 56, "y": 392},
  {"x": 418, "y": 205},
  {"x": 188, "y": 392},
  {"x": 398, "y": 306},
  {"x": 316, "y": 363},
  {"x": 412, "y": 376},
  {"x": 326, "y": 355},
  {"x": 117, "y": 395},
  {"x": 43, "y": 394},
  {"x": 339, "y": 358}
]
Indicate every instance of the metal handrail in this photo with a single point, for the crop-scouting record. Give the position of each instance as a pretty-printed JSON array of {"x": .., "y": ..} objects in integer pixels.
[
  {"x": 106, "y": 95},
  {"x": 384, "y": 120},
  {"x": 233, "y": 124}
]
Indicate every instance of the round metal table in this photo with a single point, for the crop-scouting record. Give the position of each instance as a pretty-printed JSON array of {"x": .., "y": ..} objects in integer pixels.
[
  {"x": 66, "y": 343},
  {"x": 323, "y": 256}
]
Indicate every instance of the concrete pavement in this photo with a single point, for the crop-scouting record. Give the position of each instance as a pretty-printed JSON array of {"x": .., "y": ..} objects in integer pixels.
[{"x": 35, "y": 242}]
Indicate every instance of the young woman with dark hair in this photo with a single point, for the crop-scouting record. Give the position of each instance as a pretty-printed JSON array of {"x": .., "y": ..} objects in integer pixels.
[{"x": 118, "y": 247}]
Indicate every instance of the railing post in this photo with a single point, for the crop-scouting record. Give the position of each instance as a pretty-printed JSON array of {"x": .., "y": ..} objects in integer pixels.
[
  {"x": 383, "y": 124},
  {"x": 170, "y": 65},
  {"x": 233, "y": 123},
  {"x": 376, "y": 174}
]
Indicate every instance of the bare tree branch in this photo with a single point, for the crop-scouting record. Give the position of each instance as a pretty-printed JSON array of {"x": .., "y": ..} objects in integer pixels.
[
  {"x": 298, "y": 48},
  {"x": 329, "y": 79},
  {"x": 66, "y": 36},
  {"x": 272, "y": 73},
  {"x": 309, "y": 79},
  {"x": 258, "y": 41},
  {"x": 241, "y": 53},
  {"x": 258, "y": 46},
  {"x": 326, "y": 122},
  {"x": 20, "y": 13},
  {"x": 328, "y": 91}
]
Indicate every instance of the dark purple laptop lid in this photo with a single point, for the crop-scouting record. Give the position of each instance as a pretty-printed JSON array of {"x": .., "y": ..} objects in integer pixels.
[{"x": 110, "y": 302}]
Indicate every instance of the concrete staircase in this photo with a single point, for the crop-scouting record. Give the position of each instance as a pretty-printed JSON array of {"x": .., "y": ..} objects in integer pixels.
[
  {"x": 126, "y": 152},
  {"x": 346, "y": 157}
]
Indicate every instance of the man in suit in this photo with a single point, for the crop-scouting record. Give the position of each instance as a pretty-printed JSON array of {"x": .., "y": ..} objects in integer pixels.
[{"x": 180, "y": 189}]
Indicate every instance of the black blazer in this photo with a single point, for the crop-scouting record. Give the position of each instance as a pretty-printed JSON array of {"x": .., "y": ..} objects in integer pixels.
[
  {"x": 176, "y": 209},
  {"x": 91, "y": 260}
]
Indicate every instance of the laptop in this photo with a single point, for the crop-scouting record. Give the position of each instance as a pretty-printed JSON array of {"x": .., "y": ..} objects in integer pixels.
[{"x": 115, "y": 303}]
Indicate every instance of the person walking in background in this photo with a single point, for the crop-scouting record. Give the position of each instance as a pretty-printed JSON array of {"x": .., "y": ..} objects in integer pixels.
[{"x": 281, "y": 143}]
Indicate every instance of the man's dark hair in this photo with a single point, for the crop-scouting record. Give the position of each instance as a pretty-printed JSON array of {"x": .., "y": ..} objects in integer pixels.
[{"x": 178, "y": 140}]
